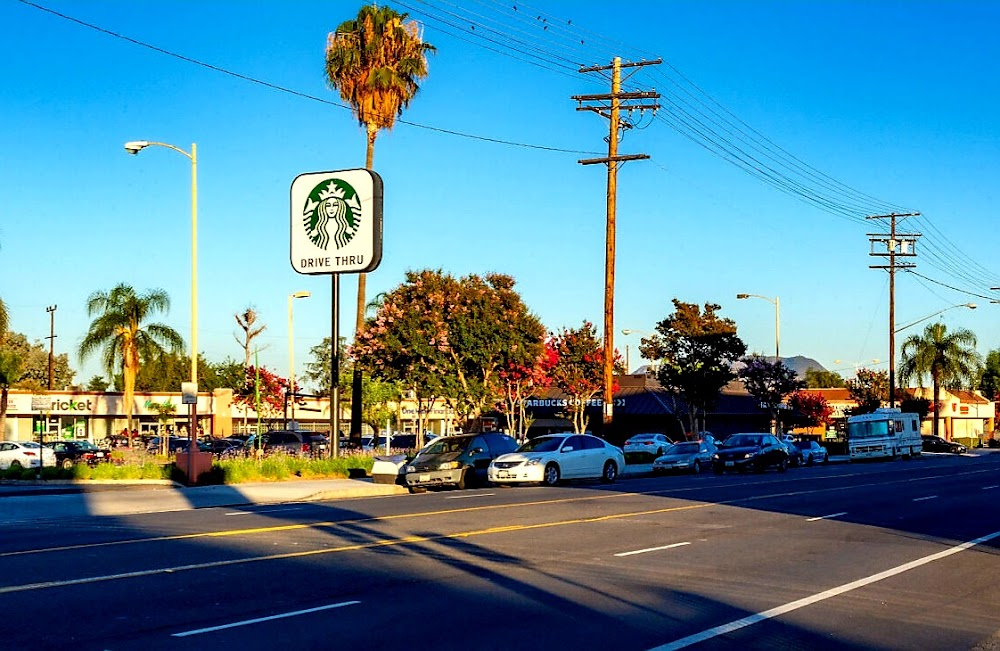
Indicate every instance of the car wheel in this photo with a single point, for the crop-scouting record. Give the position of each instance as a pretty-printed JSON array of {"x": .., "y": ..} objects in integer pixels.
[
  {"x": 783, "y": 465},
  {"x": 417, "y": 489},
  {"x": 610, "y": 473},
  {"x": 659, "y": 452},
  {"x": 67, "y": 463},
  {"x": 696, "y": 468},
  {"x": 809, "y": 460},
  {"x": 464, "y": 481},
  {"x": 15, "y": 465},
  {"x": 551, "y": 476}
]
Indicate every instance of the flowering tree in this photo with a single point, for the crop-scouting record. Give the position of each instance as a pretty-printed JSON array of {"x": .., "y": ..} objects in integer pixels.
[
  {"x": 814, "y": 407},
  {"x": 262, "y": 391},
  {"x": 517, "y": 382},
  {"x": 769, "y": 382},
  {"x": 579, "y": 369},
  {"x": 450, "y": 337}
]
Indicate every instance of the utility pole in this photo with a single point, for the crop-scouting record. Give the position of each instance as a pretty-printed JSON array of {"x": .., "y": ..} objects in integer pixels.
[
  {"x": 901, "y": 245},
  {"x": 610, "y": 106},
  {"x": 52, "y": 338}
]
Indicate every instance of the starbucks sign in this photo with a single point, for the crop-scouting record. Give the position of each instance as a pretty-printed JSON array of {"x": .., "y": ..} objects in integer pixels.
[{"x": 336, "y": 222}]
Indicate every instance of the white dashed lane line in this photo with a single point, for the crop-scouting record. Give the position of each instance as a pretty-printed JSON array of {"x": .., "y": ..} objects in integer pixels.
[
  {"x": 826, "y": 517},
  {"x": 258, "y": 620},
  {"x": 922, "y": 499},
  {"x": 652, "y": 549}
]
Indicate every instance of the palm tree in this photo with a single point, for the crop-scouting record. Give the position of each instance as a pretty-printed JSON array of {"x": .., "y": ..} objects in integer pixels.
[
  {"x": 10, "y": 372},
  {"x": 376, "y": 61},
  {"x": 947, "y": 357},
  {"x": 122, "y": 335},
  {"x": 4, "y": 318}
]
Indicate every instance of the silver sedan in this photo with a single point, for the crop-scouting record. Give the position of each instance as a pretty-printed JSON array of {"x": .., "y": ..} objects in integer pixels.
[{"x": 687, "y": 456}]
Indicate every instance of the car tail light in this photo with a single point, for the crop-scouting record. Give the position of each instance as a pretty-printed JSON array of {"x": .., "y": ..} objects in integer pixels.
[
  {"x": 628, "y": 442},
  {"x": 305, "y": 447},
  {"x": 28, "y": 454}
]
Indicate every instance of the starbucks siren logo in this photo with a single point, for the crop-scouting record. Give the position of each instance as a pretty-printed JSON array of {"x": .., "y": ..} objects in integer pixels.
[{"x": 333, "y": 204}]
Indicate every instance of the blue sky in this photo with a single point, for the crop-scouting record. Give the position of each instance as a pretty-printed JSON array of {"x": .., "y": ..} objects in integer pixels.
[{"x": 892, "y": 100}]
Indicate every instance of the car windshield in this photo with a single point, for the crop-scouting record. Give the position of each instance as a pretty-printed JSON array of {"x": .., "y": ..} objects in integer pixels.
[
  {"x": 683, "y": 448},
  {"x": 28, "y": 444},
  {"x": 643, "y": 437},
  {"x": 447, "y": 444},
  {"x": 542, "y": 444},
  {"x": 743, "y": 440}
]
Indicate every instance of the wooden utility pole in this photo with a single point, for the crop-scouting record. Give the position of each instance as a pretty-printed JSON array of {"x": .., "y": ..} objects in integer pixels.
[
  {"x": 610, "y": 106},
  {"x": 52, "y": 338},
  {"x": 896, "y": 245}
]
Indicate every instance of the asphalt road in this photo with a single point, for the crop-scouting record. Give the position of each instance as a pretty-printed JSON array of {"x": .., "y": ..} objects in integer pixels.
[{"x": 895, "y": 555}]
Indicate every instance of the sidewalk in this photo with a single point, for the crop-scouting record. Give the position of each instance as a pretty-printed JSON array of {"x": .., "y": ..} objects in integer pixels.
[{"x": 32, "y": 500}]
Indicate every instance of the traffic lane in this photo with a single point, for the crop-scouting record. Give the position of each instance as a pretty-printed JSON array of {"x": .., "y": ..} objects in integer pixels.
[
  {"x": 426, "y": 553},
  {"x": 583, "y": 505}
]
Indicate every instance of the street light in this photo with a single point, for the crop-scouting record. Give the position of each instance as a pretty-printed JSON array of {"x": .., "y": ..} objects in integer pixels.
[
  {"x": 971, "y": 306},
  {"x": 134, "y": 147},
  {"x": 291, "y": 350},
  {"x": 777, "y": 320},
  {"x": 627, "y": 332}
]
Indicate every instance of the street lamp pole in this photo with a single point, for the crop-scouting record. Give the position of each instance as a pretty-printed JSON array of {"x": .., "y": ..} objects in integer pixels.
[
  {"x": 776, "y": 301},
  {"x": 971, "y": 306},
  {"x": 291, "y": 351},
  {"x": 134, "y": 147}
]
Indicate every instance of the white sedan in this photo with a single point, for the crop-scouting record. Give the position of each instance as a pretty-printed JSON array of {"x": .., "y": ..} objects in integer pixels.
[
  {"x": 549, "y": 459},
  {"x": 25, "y": 454},
  {"x": 652, "y": 443}
]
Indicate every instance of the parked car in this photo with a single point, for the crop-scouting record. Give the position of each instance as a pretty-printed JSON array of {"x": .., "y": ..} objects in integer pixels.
[
  {"x": 550, "y": 459},
  {"x": 652, "y": 443},
  {"x": 458, "y": 461},
  {"x": 294, "y": 442},
  {"x": 223, "y": 447},
  {"x": 795, "y": 455},
  {"x": 25, "y": 454},
  {"x": 750, "y": 452},
  {"x": 175, "y": 444},
  {"x": 686, "y": 456},
  {"x": 813, "y": 452},
  {"x": 69, "y": 453},
  {"x": 931, "y": 443}
]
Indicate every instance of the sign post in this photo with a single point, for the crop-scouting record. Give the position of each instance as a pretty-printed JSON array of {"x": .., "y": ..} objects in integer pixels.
[{"x": 336, "y": 228}]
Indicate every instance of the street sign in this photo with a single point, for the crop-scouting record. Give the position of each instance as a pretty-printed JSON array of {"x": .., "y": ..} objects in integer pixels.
[
  {"x": 336, "y": 222},
  {"x": 41, "y": 403},
  {"x": 189, "y": 393}
]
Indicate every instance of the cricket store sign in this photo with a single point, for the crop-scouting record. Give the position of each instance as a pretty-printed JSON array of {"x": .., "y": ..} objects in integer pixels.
[{"x": 336, "y": 222}]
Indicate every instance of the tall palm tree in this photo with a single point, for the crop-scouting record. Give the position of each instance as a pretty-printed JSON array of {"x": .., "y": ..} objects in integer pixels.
[
  {"x": 4, "y": 318},
  {"x": 947, "y": 357},
  {"x": 122, "y": 335},
  {"x": 376, "y": 61}
]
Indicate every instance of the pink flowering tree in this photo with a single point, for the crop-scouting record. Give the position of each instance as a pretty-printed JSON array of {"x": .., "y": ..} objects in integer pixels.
[
  {"x": 447, "y": 337},
  {"x": 579, "y": 369},
  {"x": 520, "y": 381}
]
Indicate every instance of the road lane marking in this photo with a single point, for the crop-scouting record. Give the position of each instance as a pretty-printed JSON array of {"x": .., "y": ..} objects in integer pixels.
[
  {"x": 820, "y": 596},
  {"x": 652, "y": 549},
  {"x": 373, "y": 544},
  {"x": 469, "y": 509},
  {"x": 296, "y": 508},
  {"x": 258, "y": 620},
  {"x": 825, "y": 517},
  {"x": 463, "y": 497},
  {"x": 986, "y": 488},
  {"x": 922, "y": 499}
]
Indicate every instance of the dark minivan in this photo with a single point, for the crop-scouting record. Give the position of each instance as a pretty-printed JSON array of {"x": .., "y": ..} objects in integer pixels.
[{"x": 458, "y": 461}]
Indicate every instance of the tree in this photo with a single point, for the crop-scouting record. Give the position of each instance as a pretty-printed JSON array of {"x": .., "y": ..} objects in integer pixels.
[
  {"x": 697, "y": 351},
  {"x": 817, "y": 378},
  {"x": 376, "y": 61},
  {"x": 97, "y": 384},
  {"x": 869, "y": 389},
  {"x": 769, "y": 382},
  {"x": 815, "y": 409},
  {"x": 246, "y": 321},
  {"x": 578, "y": 369},
  {"x": 989, "y": 381},
  {"x": 34, "y": 357},
  {"x": 4, "y": 318},
  {"x": 949, "y": 358},
  {"x": 263, "y": 391},
  {"x": 447, "y": 337},
  {"x": 122, "y": 335},
  {"x": 919, "y": 406},
  {"x": 518, "y": 382},
  {"x": 10, "y": 372},
  {"x": 164, "y": 412}
]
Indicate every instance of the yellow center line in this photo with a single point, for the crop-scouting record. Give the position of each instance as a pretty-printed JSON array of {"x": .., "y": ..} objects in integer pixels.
[
  {"x": 388, "y": 542},
  {"x": 310, "y": 525}
]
